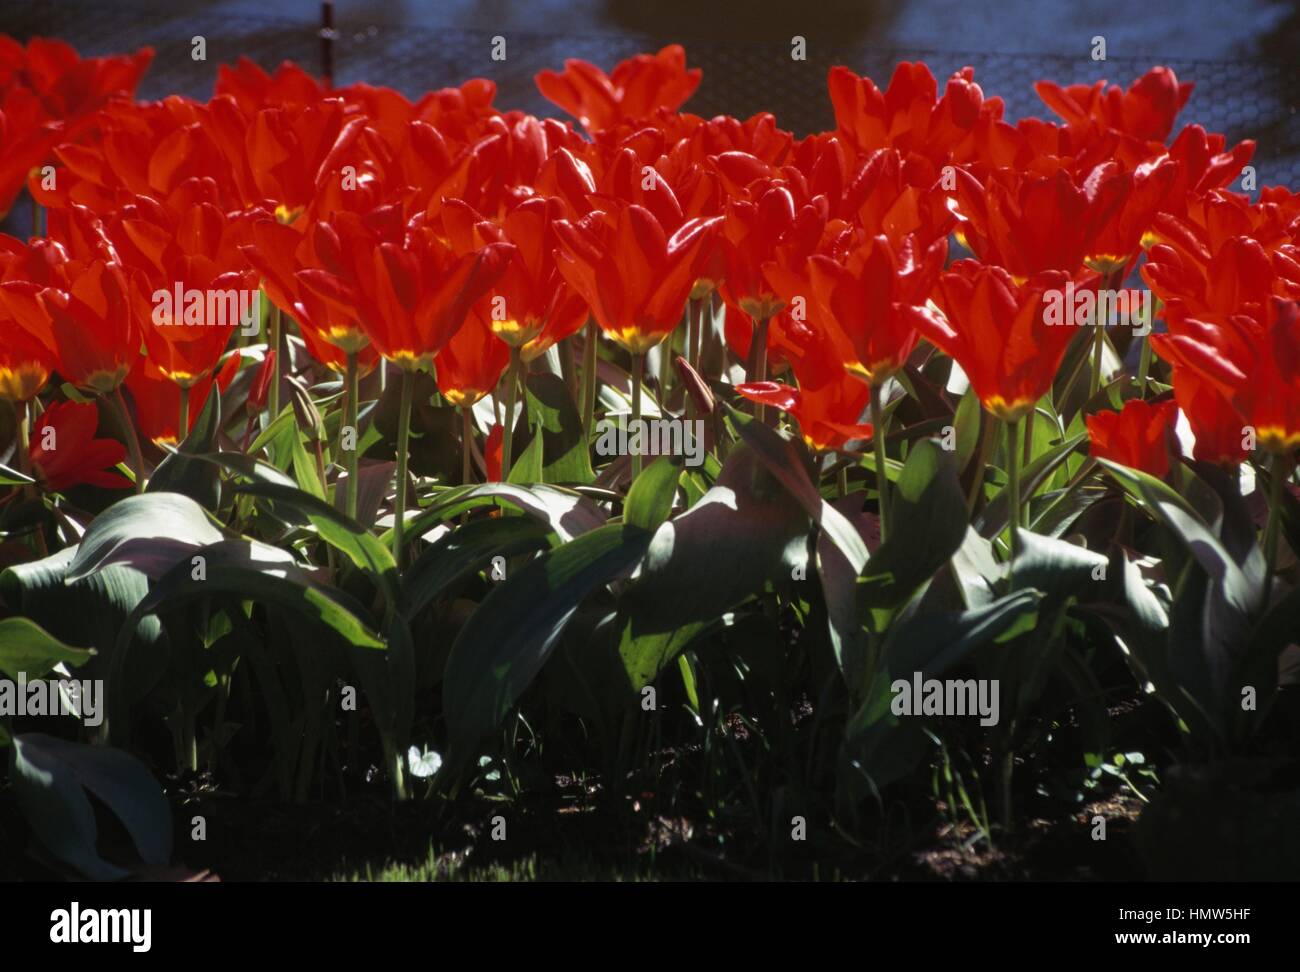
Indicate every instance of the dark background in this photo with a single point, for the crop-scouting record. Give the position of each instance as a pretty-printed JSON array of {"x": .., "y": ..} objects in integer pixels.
[{"x": 1244, "y": 56}]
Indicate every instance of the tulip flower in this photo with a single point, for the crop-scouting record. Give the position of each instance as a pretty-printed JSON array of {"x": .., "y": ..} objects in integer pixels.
[
  {"x": 1138, "y": 435},
  {"x": 634, "y": 277},
  {"x": 159, "y": 412},
  {"x": 633, "y": 90},
  {"x": 49, "y": 95},
  {"x": 409, "y": 290},
  {"x": 64, "y": 451},
  {"x": 994, "y": 328},
  {"x": 1145, "y": 111},
  {"x": 828, "y": 402}
]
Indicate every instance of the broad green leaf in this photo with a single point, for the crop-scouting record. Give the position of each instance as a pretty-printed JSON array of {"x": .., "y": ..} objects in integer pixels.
[
  {"x": 932, "y": 642},
  {"x": 650, "y": 500},
  {"x": 338, "y": 530},
  {"x": 179, "y": 472},
  {"x": 527, "y": 466},
  {"x": 556, "y": 422},
  {"x": 786, "y": 461},
  {"x": 28, "y": 649},
  {"x": 90, "y": 612},
  {"x": 507, "y": 640},
  {"x": 1054, "y": 566},
  {"x": 567, "y": 512},
  {"x": 149, "y": 532},
  {"x": 49, "y": 778},
  {"x": 465, "y": 549},
  {"x": 966, "y": 424},
  {"x": 927, "y": 517},
  {"x": 997, "y": 514}
]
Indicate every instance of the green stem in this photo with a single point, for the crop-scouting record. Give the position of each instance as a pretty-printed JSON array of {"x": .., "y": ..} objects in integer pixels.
[
  {"x": 1030, "y": 421},
  {"x": 1015, "y": 446},
  {"x": 1144, "y": 366},
  {"x": 466, "y": 443},
  {"x": 117, "y": 403},
  {"x": 273, "y": 396},
  {"x": 689, "y": 352},
  {"x": 638, "y": 365},
  {"x": 589, "y": 359},
  {"x": 878, "y": 446},
  {"x": 988, "y": 440},
  {"x": 568, "y": 368},
  {"x": 183, "y": 420},
  {"x": 1099, "y": 350},
  {"x": 1277, "y": 476},
  {"x": 842, "y": 481},
  {"x": 512, "y": 396},
  {"x": 403, "y": 442},
  {"x": 23, "y": 412},
  {"x": 757, "y": 370},
  {"x": 350, "y": 422}
]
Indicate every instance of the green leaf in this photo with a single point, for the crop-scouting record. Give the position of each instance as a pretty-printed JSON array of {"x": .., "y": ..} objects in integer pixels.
[
  {"x": 1053, "y": 566},
  {"x": 568, "y": 513},
  {"x": 339, "y": 531},
  {"x": 966, "y": 423},
  {"x": 28, "y": 649},
  {"x": 254, "y": 571},
  {"x": 746, "y": 532},
  {"x": 650, "y": 500},
  {"x": 788, "y": 463},
  {"x": 508, "y": 638},
  {"x": 468, "y": 548},
  {"x": 90, "y": 612},
  {"x": 527, "y": 467},
  {"x": 12, "y": 477},
  {"x": 997, "y": 514},
  {"x": 49, "y": 778},
  {"x": 1241, "y": 582},
  {"x": 563, "y": 448},
  {"x": 149, "y": 532},
  {"x": 927, "y": 517},
  {"x": 932, "y": 642},
  {"x": 179, "y": 472}
]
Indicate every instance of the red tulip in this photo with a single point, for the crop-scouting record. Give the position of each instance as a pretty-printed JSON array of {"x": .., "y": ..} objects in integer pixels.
[
  {"x": 472, "y": 362},
  {"x": 994, "y": 328},
  {"x": 157, "y": 398},
  {"x": 78, "y": 296},
  {"x": 1145, "y": 111},
  {"x": 910, "y": 117},
  {"x": 49, "y": 95},
  {"x": 634, "y": 277},
  {"x": 1138, "y": 436},
  {"x": 406, "y": 287},
  {"x": 869, "y": 301},
  {"x": 635, "y": 88},
  {"x": 829, "y": 402},
  {"x": 190, "y": 286},
  {"x": 64, "y": 451}
]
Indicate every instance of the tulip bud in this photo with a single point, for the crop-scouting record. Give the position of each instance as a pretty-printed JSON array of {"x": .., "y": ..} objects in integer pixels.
[{"x": 695, "y": 386}]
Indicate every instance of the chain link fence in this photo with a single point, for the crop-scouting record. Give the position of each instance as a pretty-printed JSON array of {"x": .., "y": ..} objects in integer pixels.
[{"x": 1246, "y": 99}]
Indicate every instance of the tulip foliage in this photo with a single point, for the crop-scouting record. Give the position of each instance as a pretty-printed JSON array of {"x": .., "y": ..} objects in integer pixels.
[{"x": 338, "y": 422}]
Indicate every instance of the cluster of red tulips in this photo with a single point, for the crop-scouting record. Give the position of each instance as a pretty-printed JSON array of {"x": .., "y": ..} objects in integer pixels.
[{"x": 445, "y": 234}]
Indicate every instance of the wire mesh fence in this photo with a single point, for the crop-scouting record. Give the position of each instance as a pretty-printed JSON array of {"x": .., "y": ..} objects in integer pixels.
[{"x": 1243, "y": 99}]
